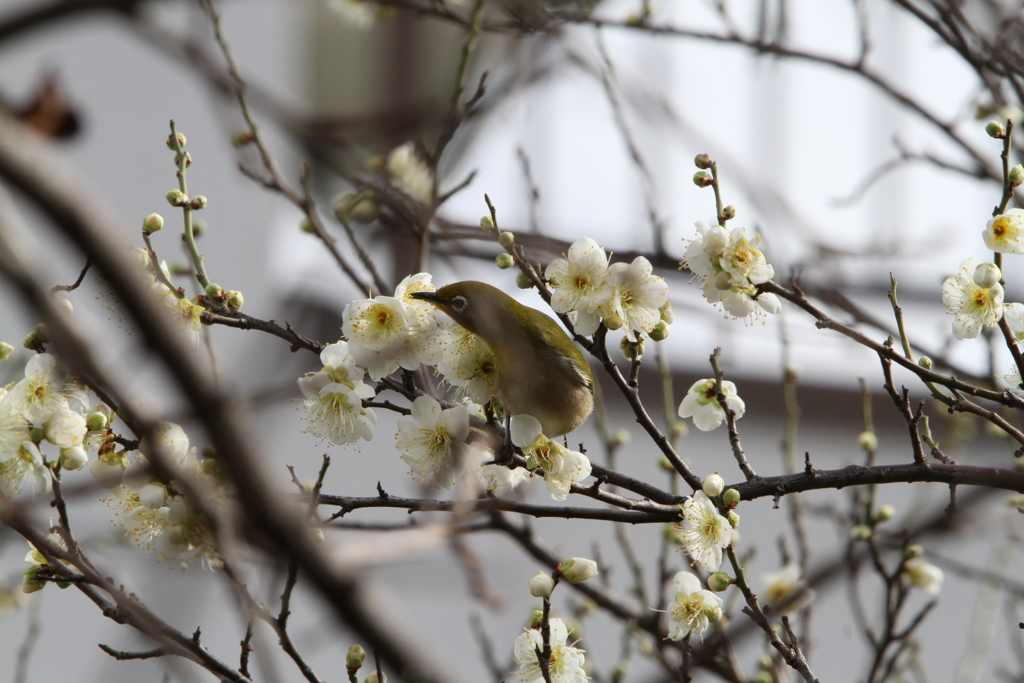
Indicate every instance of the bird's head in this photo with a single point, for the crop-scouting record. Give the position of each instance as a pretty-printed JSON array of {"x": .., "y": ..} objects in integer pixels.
[{"x": 479, "y": 307}]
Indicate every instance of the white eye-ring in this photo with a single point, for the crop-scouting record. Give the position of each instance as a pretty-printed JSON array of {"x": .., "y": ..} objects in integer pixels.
[{"x": 459, "y": 304}]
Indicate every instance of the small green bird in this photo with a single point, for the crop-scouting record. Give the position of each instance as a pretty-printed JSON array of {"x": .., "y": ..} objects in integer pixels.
[{"x": 540, "y": 370}]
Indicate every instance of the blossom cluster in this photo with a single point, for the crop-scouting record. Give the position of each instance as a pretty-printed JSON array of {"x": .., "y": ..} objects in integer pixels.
[
  {"x": 46, "y": 407},
  {"x": 975, "y": 294},
  {"x": 621, "y": 295},
  {"x": 729, "y": 267},
  {"x": 154, "y": 515}
]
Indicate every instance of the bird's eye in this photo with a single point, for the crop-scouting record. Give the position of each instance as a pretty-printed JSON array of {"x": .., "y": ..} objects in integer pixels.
[{"x": 459, "y": 304}]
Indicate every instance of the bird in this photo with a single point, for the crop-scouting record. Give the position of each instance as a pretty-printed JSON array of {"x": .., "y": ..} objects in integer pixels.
[{"x": 541, "y": 371}]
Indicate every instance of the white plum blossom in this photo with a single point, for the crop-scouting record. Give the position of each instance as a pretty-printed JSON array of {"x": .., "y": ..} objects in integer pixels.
[
  {"x": 427, "y": 323},
  {"x": 498, "y": 478},
  {"x": 42, "y": 391},
  {"x": 923, "y": 575},
  {"x": 14, "y": 429},
  {"x": 973, "y": 305},
  {"x": 73, "y": 458},
  {"x": 729, "y": 267},
  {"x": 410, "y": 173},
  {"x": 786, "y": 591},
  {"x": 1014, "y": 314},
  {"x": 562, "y": 467},
  {"x": 335, "y": 411},
  {"x": 25, "y": 467},
  {"x": 65, "y": 428},
  {"x": 701, "y": 403},
  {"x": 743, "y": 262},
  {"x": 334, "y": 394},
  {"x": 376, "y": 324},
  {"x": 566, "y": 664},
  {"x": 433, "y": 442},
  {"x": 186, "y": 313},
  {"x": 108, "y": 468},
  {"x": 169, "y": 440},
  {"x": 1005, "y": 233},
  {"x": 388, "y": 332},
  {"x": 638, "y": 296},
  {"x": 703, "y": 251},
  {"x": 705, "y": 531},
  {"x": 693, "y": 608},
  {"x": 467, "y": 364},
  {"x": 581, "y": 282}
]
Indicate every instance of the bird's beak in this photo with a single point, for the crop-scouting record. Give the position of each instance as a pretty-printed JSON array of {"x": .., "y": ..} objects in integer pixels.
[{"x": 428, "y": 296}]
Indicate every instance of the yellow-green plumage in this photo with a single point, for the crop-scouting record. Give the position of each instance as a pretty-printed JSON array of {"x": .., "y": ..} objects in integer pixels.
[{"x": 541, "y": 371}]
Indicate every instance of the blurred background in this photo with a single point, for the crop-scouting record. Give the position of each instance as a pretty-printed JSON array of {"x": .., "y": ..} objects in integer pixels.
[{"x": 850, "y": 169}]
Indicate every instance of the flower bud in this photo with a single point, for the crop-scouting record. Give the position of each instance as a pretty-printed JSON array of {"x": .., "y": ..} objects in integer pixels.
[
  {"x": 234, "y": 299},
  {"x": 306, "y": 225},
  {"x": 504, "y": 260},
  {"x": 241, "y": 138},
  {"x": 923, "y": 575},
  {"x": 355, "y": 657},
  {"x": 578, "y": 569},
  {"x": 523, "y": 281},
  {"x": 181, "y": 141},
  {"x": 885, "y": 513},
  {"x": 925, "y": 362},
  {"x": 913, "y": 551},
  {"x": 702, "y": 179},
  {"x": 536, "y": 617},
  {"x": 73, "y": 458},
  {"x": 621, "y": 437},
  {"x": 660, "y": 332},
  {"x": 612, "y": 321},
  {"x": 666, "y": 313},
  {"x": 631, "y": 350},
  {"x": 987, "y": 275},
  {"x": 702, "y": 161},
  {"x": 177, "y": 198},
  {"x": 995, "y": 130},
  {"x": 109, "y": 469},
  {"x": 713, "y": 485},
  {"x": 96, "y": 421},
  {"x": 541, "y": 585},
  {"x": 861, "y": 532},
  {"x": 65, "y": 306},
  {"x": 868, "y": 442},
  {"x": 734, "y": 519},
  {"x": 5, "y": 350},
  {"x": 729, "y": 212},
  {"x": 373, "y": 678},
  {"x": 198, "y": 228},
  {"x": 152, "y": 223},
  {"x": 763, "y": 677},
  {"x": 176, "y": 269},
  {"x": 365, "y": 211},
  {"x": 506, "y": 239},
  {"x": 719, "y": 581},
  {"x": 214, "y": 291},
  {"x": 1017, "y": 175},
  {"x": 666, "y": 464},
  {"x": 486, "y": 223},
  {"x": 37, "y": 434},
  {"x": 198, "y": 202},
  {"x": 731, "y": 497}
]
